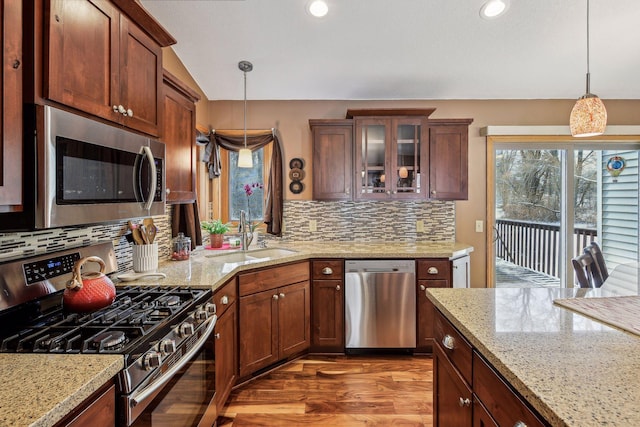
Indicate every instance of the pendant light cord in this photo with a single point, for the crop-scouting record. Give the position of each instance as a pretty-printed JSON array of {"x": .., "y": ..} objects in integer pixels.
[
  {"x": 588, "y": 70},
  {"x": 245, "y": 109}
]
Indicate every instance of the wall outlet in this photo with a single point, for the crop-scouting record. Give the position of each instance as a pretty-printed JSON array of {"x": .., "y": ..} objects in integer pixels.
[
  {"x": 420, "y": 226},
  {"x": 313, "y": 225},
  {"x": 479, "y": 226}
]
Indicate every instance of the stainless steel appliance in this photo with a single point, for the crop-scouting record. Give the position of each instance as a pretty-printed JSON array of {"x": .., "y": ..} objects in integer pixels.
[
  {"x": 380, "y": 304},
  {"x": 81, "y": 171},
  {"x": 163, "y": 333}
]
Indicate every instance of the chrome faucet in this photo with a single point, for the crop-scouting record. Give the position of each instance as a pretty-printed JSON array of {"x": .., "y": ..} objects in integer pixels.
[{"x": 247, "y": 236}]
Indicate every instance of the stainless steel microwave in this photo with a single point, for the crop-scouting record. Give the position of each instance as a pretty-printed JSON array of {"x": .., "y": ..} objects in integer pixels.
[{"x": 87, "y": 172}]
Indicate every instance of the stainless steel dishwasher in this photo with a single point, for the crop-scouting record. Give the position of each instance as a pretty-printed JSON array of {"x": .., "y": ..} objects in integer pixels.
[{"x": 380, "y": 304}]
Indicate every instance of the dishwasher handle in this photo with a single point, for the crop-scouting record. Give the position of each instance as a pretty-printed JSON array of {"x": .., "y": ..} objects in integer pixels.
[{"x": 380, "y": 270}]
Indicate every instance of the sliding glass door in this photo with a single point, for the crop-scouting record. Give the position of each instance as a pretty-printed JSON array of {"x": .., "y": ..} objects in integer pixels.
[{"x": 551, "y": 199}]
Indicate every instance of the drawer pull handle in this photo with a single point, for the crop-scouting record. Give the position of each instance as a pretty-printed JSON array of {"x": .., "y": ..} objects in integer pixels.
[
  {"x": 337, "y": 287},
  {"x": 448, "y": 342},
  {"x": 327, "y": 271},
  {"x": 422, "y": 287},
  {"x": 520, "y": 424},
  {"x": 464, "y": 402},
  {"x": 224, "y": 300},
  {"x": 432, "y": 270}
]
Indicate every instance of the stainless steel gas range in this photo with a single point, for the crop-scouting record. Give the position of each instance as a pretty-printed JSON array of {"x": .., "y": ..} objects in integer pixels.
[{"x": 163, "y": 333}]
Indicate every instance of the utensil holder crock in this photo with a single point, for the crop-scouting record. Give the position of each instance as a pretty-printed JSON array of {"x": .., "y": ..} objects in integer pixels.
[{"x": 145, "y": 258}]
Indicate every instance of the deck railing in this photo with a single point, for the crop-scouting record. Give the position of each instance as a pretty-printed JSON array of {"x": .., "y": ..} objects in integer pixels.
[{"x": 536, "y": 245}]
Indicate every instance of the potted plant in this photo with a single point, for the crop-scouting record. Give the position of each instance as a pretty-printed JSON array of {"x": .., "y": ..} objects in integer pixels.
[{"x": 216, "y": 229}]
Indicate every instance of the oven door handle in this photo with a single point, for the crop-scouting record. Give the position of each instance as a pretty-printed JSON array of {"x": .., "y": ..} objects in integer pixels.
[{"x": 140, "y": 396}]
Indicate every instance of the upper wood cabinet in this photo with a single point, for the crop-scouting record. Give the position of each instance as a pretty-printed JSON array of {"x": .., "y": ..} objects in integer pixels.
[
  {"x": 332, "y": 159},
  {"x": 101, "y": 62},
  {"x": 448, "y": 159},
  {"x": 11, "y": 134},
  {"x": 179, "y": 135}
]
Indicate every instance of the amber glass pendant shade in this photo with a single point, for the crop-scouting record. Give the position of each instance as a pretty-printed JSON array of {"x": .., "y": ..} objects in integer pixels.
[{"x": 588, "y": 117}]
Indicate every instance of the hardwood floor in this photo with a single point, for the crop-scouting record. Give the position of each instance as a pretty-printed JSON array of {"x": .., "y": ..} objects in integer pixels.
[{"x": 337, "y": 391}]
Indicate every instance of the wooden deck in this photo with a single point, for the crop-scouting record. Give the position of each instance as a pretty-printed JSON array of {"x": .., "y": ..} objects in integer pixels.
[{"x": 509, "y": 275}]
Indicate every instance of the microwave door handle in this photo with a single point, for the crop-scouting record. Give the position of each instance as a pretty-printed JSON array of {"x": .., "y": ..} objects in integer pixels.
[{"x": 154, "y": 176}]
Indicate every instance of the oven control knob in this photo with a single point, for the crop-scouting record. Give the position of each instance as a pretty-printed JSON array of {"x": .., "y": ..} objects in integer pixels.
[
  {"x": 201, "y": 315},
  {"x": 151, "y": 360},
  {"x": 167, "y": 346},
  {"x": 185, "y": 329},
  {"x": 211, "y": 307}
]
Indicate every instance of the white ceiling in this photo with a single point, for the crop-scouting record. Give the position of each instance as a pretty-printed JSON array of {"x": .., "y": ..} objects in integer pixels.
[{"x": 405, "y": 49}]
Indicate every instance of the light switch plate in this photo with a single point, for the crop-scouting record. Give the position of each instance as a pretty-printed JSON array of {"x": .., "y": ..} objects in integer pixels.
[
  {"x": 313, "y": 225},
  {"x": 420, "y": 226},
  {"x": 479, "y": 226}
]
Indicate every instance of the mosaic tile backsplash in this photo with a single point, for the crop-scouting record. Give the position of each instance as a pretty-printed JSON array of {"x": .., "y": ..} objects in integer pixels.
[
  {"x": 368, "y": 221},
  {"x": 335, "y": 221}
]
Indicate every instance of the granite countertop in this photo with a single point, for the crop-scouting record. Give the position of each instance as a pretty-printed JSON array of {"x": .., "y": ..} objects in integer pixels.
[
  {"x": 38, "y": 390},
  {"x": 574, "y": 370},
  {"x": 202, "y": 269}
]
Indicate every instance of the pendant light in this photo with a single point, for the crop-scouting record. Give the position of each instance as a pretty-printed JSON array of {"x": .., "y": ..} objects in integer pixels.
[
  {"x": 245, "y": 158},
  {"x": 588, "y": 116}
]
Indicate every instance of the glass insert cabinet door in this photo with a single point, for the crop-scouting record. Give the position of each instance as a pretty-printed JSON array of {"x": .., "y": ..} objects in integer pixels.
[{"x": 389, "y": 158}]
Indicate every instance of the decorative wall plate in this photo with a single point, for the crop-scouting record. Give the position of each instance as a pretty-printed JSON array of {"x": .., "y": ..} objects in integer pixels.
[
  {"x": 296, "y": 187},
  {"x": 296, "y": 163},
  {"x": 296, "y": 174}
]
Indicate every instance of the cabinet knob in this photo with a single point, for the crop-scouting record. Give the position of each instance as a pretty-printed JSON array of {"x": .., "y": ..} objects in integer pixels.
[
  {"x": 422, "y": 287},
  {"x": 389, "y": 192},
  {"x": 432, "y": 270},
  {"x": 433, "y": 192},
  {"x": 16, "y": 64},
  {"x": 275, "y": 296},
  {"x": 224, "y": 300},
  {"x": 168, "y": 190},
  {"x": 129, "y": 112},
  {"x": 464, "y": 402},
  {"x": 347, "y": 191},
  {"x": 520, "y": 424},
  {"x": 448, "y": 342},
  {"x": 217, "y": 335},
  {"x": 337, "y": 287},
  {"x": 327, "y": 271},
  {"x": 281, "y": 295}
]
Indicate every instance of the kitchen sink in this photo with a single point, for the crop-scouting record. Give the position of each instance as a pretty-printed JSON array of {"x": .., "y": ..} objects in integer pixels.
[{"x": 252, "y": 256}]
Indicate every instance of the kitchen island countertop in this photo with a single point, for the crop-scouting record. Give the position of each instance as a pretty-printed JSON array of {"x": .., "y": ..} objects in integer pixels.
[{"x": 573, "y": 370}]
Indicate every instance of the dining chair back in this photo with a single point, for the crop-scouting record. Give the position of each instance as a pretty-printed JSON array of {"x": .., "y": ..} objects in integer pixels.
[
  {"x": 584, "y": 266},
  {"x": 601, "y": 267}
]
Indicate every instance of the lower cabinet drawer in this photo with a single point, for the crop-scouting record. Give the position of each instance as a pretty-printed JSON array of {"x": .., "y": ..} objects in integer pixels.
[
  {"x": 504, "y": 405},
  {"x": 454, "y": 345}
]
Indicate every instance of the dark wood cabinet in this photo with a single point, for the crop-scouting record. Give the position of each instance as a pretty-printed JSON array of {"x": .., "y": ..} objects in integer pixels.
[
  {"x": 430, "y": 273},
  {"x": 274, "y": 315},
  {"x": 11, "y": 134},
  {"x": 178, "y": 133},
  {"x": 332, "y": 159},
  {"x": 451, "y": 394},
  {"x": 97, "y": 410},
  {"x": 448, "y": 159},
  {"x": 327, "y": 311},
  {"x": 226, "y": 342},
  {"x": 99, "y": 61}
]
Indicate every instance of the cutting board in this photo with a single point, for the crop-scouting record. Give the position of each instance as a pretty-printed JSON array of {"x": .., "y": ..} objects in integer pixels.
[{"x": 621, "y": 312}]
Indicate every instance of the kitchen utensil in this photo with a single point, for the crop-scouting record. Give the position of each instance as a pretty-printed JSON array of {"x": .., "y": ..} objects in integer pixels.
[
  {"x": 151, "y": 229},
  {"x": 144, "y": 234},
  {"x": 135, "y": 232},
  {"x": 88, "y": 291}
]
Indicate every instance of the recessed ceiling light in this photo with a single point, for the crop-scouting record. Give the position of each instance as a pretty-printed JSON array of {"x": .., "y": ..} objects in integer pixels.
[
  {"x": 318, "y": 8},
  {"x": 492, "y": 9}
]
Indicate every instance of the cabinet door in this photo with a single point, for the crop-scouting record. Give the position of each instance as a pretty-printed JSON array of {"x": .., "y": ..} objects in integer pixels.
[
  {"x": 179, "y": 127},
  {"x": 448, "y": 162},
  {"x": 294, "y": 303},
  {"x": 140, "y": 78},
  {"x": 98, "y": 410},
  {"x": 258, "y": 331},
  {"x": 426, "y": 314},
  {"x": 372, "y": 165},
  {"x": 408, "y": 158},
  {"x": 226, "y": 333},
  {"x": 328, "y": 316},
  {"x": 481, "y": 418},
  {"x": 451, "y": 395},
  {"x": 332, "y": 162},
  {"x": 11, "y": 107},
  {"x": 82, "y": 56}
]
